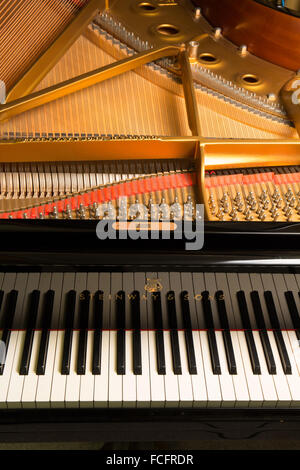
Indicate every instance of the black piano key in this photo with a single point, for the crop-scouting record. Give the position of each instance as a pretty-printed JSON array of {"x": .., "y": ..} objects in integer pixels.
[
  {"x": 213, "y": 349},
  {"x": 31, "y": 324},
  {"x": 226, "y": 332},
  {"x": 84, "y": 308},
  {"x": 189, "y": 341},
  {"x": 158, "y": 325},
  {"x": 136, "y": 338},
  {"x": 9, "y": 314},
  {"x": 121, "y": 351},
  {"x": 259, "y": 317},
  {"x": 289, "y": 296},
  {"x": 248, "y": 332},
  {"x": 68, "y": 337},
  {"x": 174, "y": 332},
  {"x": 98, "y": 325},
  {"x": 46, "y": 324},
  {"x": 286, "y": 365}
]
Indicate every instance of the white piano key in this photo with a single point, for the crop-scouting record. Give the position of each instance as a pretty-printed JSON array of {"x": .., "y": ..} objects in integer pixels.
[
  {"x": 31, "y": 380},
  {"x": 86, "y": 388},
  {"x": 16, "y": 380},
  {"x": 171, "y": 380},
  {"x": 58, "y": 387},
  {"x": 11, "y": 281},
  {"x": 129, "y": 379},
  {"x": 101, "y": 381},
  {"x": 143, "y": 387},
  {"x": 9, "y": 361},
  {"x": 157, "y": 382},
  {"x": 143, "y": 395},
  {"x": 266, "y": 379},
  {"x": 198, "y": 380},
  {"x": 253, "y": 380},
  {"x": 186, "y": 397},
  {"x": 295, "y": 347},
  {"x": 43, "y": 391},
  {"x": 280, "y": 379},
  {"x": 214, "y": 396},
  {"x": 293, "y": 380},
  {"x": 239, "y": 379},
  {"x": 226, "y": 382},
  {"x": 184, "y": 379},
  {"x": 115, "y": 384},
  {"x": 73, "y": 380}
]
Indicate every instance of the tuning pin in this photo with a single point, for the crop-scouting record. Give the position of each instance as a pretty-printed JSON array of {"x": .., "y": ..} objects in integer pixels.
[
  {"x": 289, "y": 194},
  {"x": 68, "y": 212},
  {"x": 224, "y": 198},
  {"x": 288, "y": 213},
  {"x": 238, "y": 197},
  {"x": 233, "y": 212},
  {"x": 248, "y": 216},
  {"x": 262, "y": 215},
  {"x": 266, "y": 204},
  {"x": 226, "y": 207},
  {"x": 220, "y": 214},
  {"x": 81, "y": 212},
  {"x": 292, "y": 201},
  {"x": 54, "y": 213},
  {"x": 263, "y": 196},
  {"x": 285, "y": 208}
]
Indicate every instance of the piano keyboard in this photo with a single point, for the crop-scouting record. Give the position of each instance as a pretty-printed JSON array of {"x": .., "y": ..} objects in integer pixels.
[{"x": 150, "y": 340}]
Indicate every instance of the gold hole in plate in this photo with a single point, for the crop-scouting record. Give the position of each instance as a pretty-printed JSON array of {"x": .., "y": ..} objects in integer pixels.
[
  {"x": 250, "y": 79},
  {"x": 167, "y": 29},
  {"x": 208, "y": 58},
  {"x": 147, "y": 7}
]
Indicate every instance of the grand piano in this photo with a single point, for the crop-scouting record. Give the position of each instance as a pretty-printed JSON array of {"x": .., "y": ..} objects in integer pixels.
[{"x": 149, "y": 218}]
